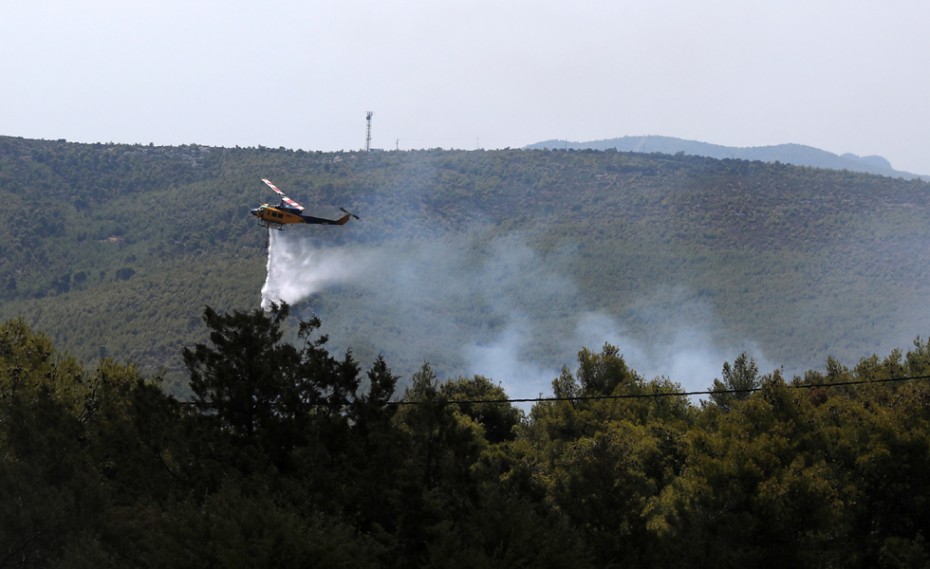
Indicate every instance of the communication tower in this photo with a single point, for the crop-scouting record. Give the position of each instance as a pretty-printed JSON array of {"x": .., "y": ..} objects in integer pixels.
[{"x": 368, "y": 135}]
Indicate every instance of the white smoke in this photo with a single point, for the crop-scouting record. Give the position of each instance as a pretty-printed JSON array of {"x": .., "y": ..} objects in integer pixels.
[
  {"x": 297, "y": 270},
  {"x": 684, "y": 351},
  {"x": 515, "y": 328},
  {"x": 502, "y": 359}
]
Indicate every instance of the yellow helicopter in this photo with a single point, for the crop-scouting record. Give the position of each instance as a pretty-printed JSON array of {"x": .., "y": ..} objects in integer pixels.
[{"x": 289, "y": 212}]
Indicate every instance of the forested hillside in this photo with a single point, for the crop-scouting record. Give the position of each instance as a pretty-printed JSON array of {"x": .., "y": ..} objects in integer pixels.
[
  {"x": 115, "y": 249},
  {"x": 283, "y": 459},
  {"x": 628, "y": 269}
]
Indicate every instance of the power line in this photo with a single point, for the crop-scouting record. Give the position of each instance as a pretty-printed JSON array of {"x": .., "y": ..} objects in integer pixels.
[
  {"x": 661, "y": 394},
  {"x": 649, "y": 395}
]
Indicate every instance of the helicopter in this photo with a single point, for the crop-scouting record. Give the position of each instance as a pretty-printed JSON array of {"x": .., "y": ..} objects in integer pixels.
[{"x": 289, "y": 212}]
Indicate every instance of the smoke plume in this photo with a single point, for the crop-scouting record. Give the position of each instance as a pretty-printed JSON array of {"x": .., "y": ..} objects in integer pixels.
[{"x": 478, "y": 303}]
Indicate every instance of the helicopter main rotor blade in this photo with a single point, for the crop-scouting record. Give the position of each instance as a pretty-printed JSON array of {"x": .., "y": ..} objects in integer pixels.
[{"x": 286, "y": 199}]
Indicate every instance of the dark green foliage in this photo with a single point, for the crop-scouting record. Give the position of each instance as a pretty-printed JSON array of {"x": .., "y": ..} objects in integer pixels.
[
  {"x": 284, "y": 460},
  {"x": 246, "y": 379},
  {"x": 604, "y": 373},
  {"x": 739, "y": 381},
  {"x": 498, "y": 421}
]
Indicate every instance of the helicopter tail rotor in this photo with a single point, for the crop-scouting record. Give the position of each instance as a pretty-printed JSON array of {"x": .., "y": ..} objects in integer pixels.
[{"x": 347, "y": 212}]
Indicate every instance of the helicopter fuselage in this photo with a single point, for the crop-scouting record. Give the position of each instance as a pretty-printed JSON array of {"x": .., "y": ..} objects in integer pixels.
[{"x": 278, "y": 215}]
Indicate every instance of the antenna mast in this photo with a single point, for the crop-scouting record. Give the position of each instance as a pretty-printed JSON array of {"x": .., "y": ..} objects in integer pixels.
[{"x": 368, "y": 136}]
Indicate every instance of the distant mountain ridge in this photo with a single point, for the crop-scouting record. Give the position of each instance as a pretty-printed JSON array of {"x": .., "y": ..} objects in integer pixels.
[{"x": 797, "y": 154}]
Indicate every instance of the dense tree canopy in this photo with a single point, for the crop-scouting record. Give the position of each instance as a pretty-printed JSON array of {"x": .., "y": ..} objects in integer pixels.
[{"x": 287, "y": 456}]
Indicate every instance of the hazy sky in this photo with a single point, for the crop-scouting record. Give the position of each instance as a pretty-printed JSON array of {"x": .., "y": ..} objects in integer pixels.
[{"x": 845, "y": 76}]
